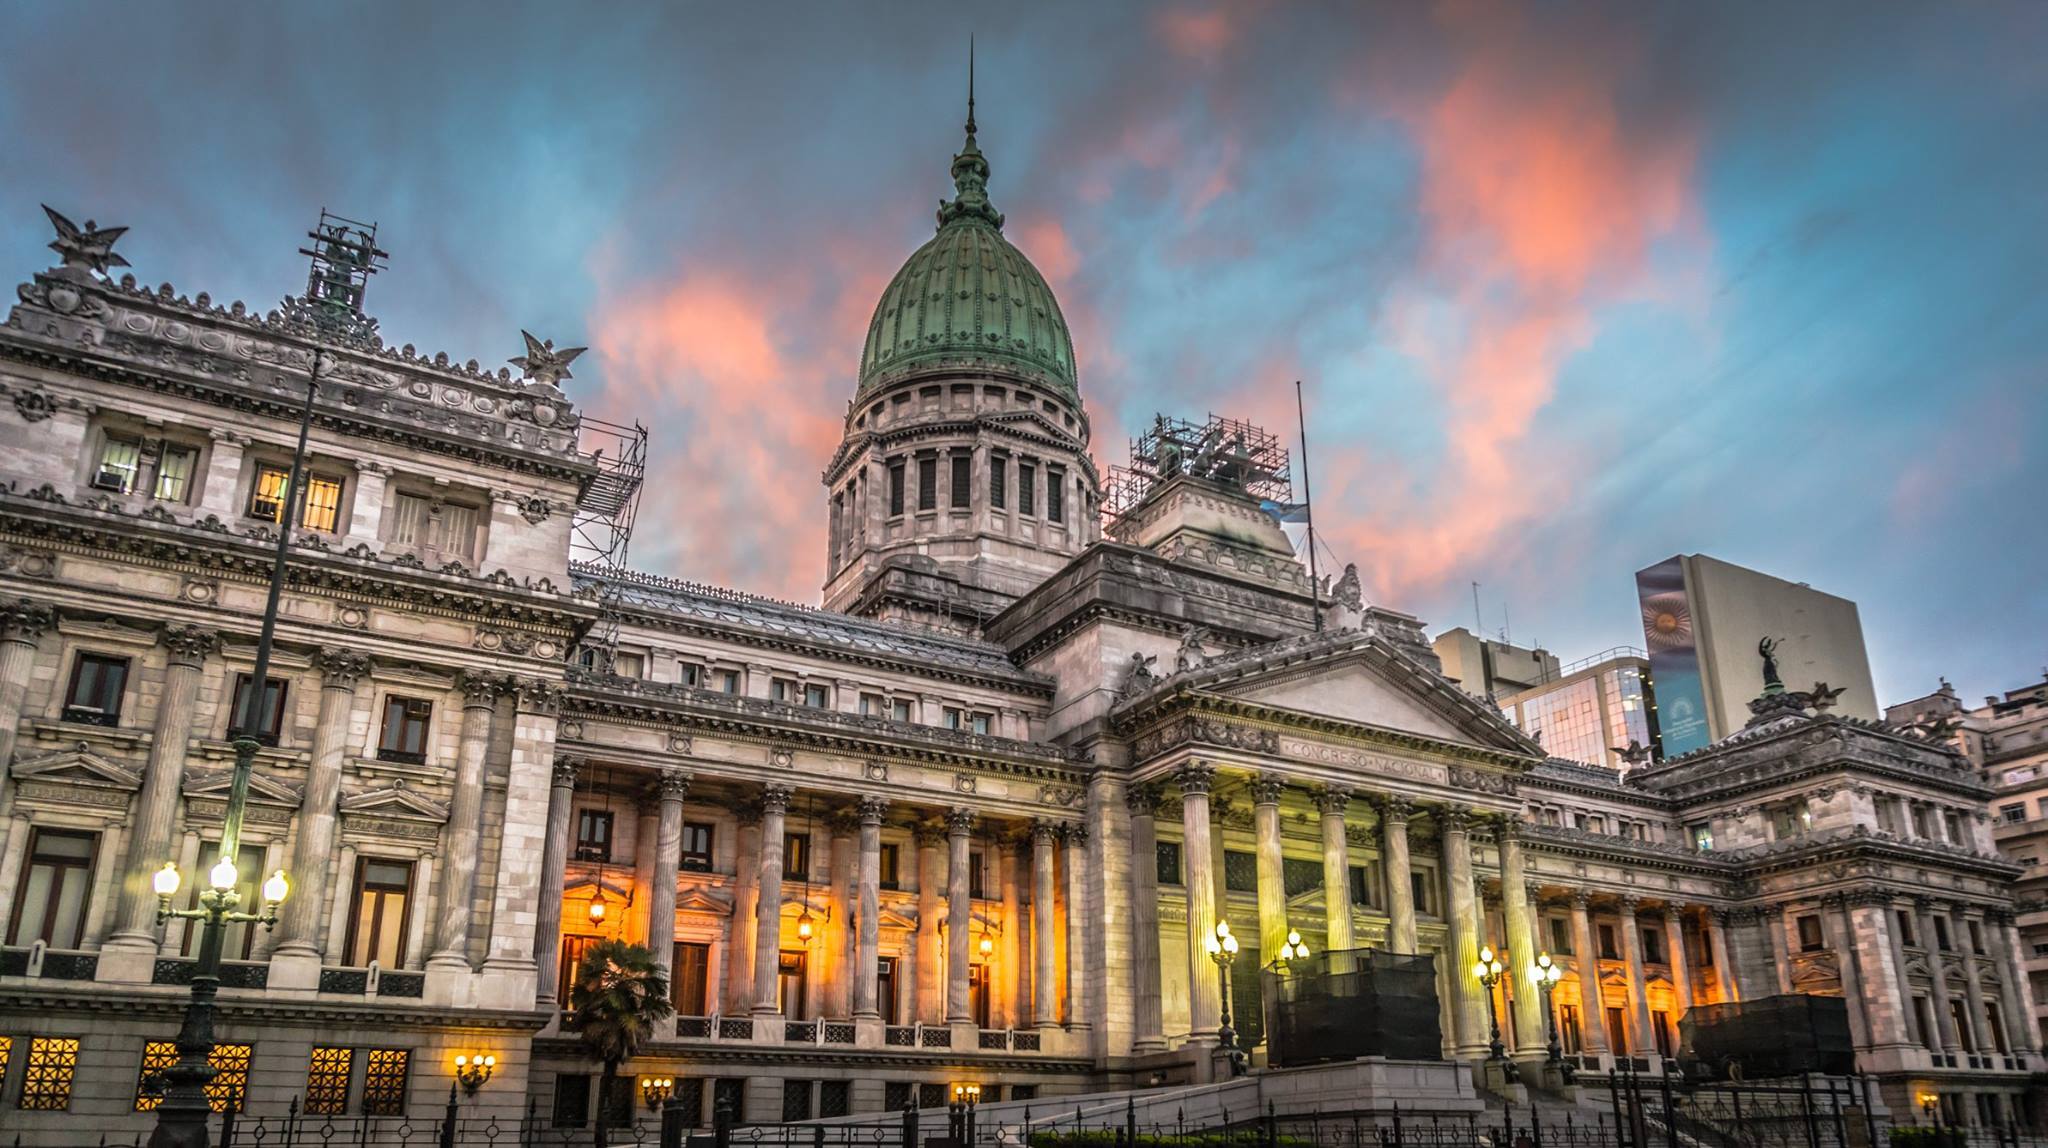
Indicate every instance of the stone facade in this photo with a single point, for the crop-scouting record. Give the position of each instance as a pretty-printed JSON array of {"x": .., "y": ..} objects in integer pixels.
[{"x": 878, "y": 858}]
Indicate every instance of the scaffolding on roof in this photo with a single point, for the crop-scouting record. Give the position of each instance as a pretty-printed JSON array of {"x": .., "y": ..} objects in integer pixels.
[
  {"x": 601, "y": 531},
  {"x": 1225, "y": 450}
]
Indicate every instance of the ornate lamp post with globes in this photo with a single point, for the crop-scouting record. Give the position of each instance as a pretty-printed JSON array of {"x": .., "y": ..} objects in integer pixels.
[
  {"x": 1222, "y": 948},
  {"x": 344, "y": 255},
  {"x": 1489, "y": 972}
]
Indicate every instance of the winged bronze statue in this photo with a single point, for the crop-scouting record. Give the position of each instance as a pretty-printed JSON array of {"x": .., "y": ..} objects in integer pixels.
[
  {"x": 543, "y": 363},
  {"x": 90, "y": 247},
  {"x": 1820, "y": 697}
]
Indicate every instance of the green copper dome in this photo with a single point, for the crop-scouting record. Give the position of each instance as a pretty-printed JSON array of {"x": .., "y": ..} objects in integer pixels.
[{"x": 968, "y": 298}]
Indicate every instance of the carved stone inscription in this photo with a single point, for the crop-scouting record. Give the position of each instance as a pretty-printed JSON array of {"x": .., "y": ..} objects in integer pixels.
[{"x": 1374, "y": 763}]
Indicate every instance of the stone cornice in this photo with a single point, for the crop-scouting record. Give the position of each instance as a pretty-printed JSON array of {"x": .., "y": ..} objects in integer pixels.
[
  {"x": 1809, "y": 748},
  {"x": 1177, "y": 718},
  {"x": 1025, "y": 426}
]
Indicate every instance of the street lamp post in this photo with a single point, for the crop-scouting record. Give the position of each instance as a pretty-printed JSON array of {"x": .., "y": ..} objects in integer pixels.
[
  {"x": 1490, "y": 972},
  {"x": 1222, "y": 948},
  {"x": 1294, "y": 949},
  {"x": 1547, "y": 974},
  {"x": 344, "y": 256}
]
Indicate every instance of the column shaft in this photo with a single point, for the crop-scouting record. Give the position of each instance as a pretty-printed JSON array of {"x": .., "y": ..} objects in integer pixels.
[
  {"x": 742, "y": 925},
  {"x": 1944, "y": 1018},
  {"x": 1674, "y": 947},
  {"x": 868, "y": 927},
  {"x": 1468, "y": 1008},
  {"x": 1716, "y": 924},
  {"x": 1644, "y": 1040},
  {"x": 1009, "y": 977},
  {"x": 1205, "y": 997},
  {"x": 1394, "y": 814},
  {"x": 768, "y": 907},
  {"x": 959, "y": 915},
  {"x": 836, "y": 934},
  {"x": 312, "y": 860},
  {"x": 156, "y": 809},
  {"x": 22, "y": 623},
  {"x": 547, "y": 933},
  {"x": 1078, "y": 948},
  {"x": 1044, "y": 978},
  {"x": 670, "y": 788},
  {"x": 1266, "y": 791},
  {"x": 1338, "y": 929},
  {"x": 465, "y": 820},
  {"x": 1148, "y": 1024},
  {"x": 931, "y": 876},
  {"x": 1593, "y": 1024},
  {"x": 2019, "y": 1020},
  {"x": 1527, "y": 1002}
]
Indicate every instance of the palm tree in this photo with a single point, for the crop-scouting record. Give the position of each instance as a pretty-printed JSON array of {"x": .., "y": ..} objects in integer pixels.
[{"x": 619, "y": 994}]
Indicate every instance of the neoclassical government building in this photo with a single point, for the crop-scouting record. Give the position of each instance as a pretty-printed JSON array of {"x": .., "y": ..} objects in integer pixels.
[{"x": 970, "y": 821}]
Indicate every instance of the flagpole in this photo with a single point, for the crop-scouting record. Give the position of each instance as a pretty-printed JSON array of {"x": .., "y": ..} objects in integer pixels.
[{"x": 1315, "y": 587}]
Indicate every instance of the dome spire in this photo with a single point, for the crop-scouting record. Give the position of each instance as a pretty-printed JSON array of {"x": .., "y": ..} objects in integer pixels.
[{"x": 970, "y": 171}]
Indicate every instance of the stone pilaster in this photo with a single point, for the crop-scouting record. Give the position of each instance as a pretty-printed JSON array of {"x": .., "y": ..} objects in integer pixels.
[
  {"x": 22, "y": 625},
  {"x": 1394, "y": 813},
  {"x": 868, "y": 926},
  {"x": 959, "y": 914},
  {"x": 1868, "y": 928},
  {"x": 547, "y": 931},
  {"x": 1641, "y": 1036},
  {"x": 1045, "y": 1008},
  {"x": 1527, "y": 1001},
  {"x": 156, "y": 810},
  {"x": 1075, "y": 839},
  {"x": 1835, "y": 925},
  {"x": 1461, "y": 909},
  {"x": 1205, "y": 994},
  {"x": 1593, "y": 1022},
  {"x": 1338, "y": 931},
  {"x": 458, "y": 876},
  {"x": 1973, "y": 984},
  {"x": 296, "y": 963},
  {"x": 511, "y": 968},
  {"x": 768, "y": 907},
  {"x": 1148, "y": 1023},
  {"x": 2014, "y": 990},
  {"x": 1266, "y": 791}
]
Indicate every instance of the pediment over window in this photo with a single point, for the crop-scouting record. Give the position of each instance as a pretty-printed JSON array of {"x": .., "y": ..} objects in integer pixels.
[
  {"x": 394, "y": 801},
  {"x": 216, "y": 784},
  {"x": 701, "y": 900},
  {"x": 77, "y": 765},
  {"x": 891, "y": 919}
]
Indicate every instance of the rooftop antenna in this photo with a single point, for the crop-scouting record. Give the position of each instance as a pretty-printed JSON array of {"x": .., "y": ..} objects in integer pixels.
[
  {"x": 1315, "y": 587},
  {"x": 970, "y": 87},
  {"x": 1478, "y": 624}
]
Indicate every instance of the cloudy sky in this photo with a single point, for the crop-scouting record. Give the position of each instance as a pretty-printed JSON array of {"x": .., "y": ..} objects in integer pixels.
[{"x": 1571, "y": 287}]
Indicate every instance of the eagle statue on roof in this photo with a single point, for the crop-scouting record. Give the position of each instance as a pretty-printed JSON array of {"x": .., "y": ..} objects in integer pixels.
[
  {"x": 90, "y": 247},
  {"x": 543, "y": 363}
]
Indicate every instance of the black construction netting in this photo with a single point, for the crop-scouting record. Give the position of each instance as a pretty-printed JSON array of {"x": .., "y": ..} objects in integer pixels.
[
  {"x": 1770, "y": 1036},
  {"x": 1351, "y": 1003}
]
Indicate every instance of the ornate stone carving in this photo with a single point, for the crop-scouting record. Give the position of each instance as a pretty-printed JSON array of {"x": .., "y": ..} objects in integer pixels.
[
  {"x": 566, "y": 769},
  {"x": 535, "y": 509},
  {"x": 1044, "y": 832},
  {"x": 34, "y": 406},
  {"x": 781, "y": 757},
  {"x": 570, "y": 730},
  {"x": 1075, "y": 834},
  {"x": 88, "y": 250},
  {"x": 1330, "y": 799},
  {"x": 1394, "y": 809},
  {"x": 1195, "y": 777},
  {"x": 189, "y": 645},
  {"x": 340, "y": 667},
  {"x": 679, "y": 743},
  {"x": 540, "y": 696},
  {"x": 959, "y": 821},
  {"x": 928, "y": 834},
  {"x": 1138, "y": 677},
  {"x": 543, "y": 363},
  {"x": 1266, "y": 789},
  {"x": 23, "y": 620},
  {"x": 963, "y": 783},
  {"x": 672, "y": 784},
  {"x": 1065, "y": 796},
  {"x": 875, "y": 770},
  {"x": 871, "y": 810},
  {"x": 775, "y": 798},
  {"x": 1142, "y": 799},
  {"x": 1482, "y": 781},
  {"x": 1453, "y": 818},
  {"x": 479, "y": 689}
]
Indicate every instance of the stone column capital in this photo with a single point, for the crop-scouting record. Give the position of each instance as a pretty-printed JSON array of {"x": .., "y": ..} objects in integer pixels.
[
  {"x": 537, "y": 695},
  {"x": 929, "y": 834},
  {"x": 1267, "y": 788},
  {"x": 672, "y": 785},
  {"x": 340, "y": 667},
  {"x": 1674, "y": 912},
  {"x": 1142, "y": 799},
  {"x": 843, "y": 821},
  {"x": 1196, "y": 777},
  {"x": 566, "y": 771},
  {"x": 1628, "y": 903},
  {"x": 747, "y": 813},
  {"x": 188, "y": 645},
  {"x": 1394, "y": 810},
  {"x": 1330, "y": 799},
  {"x": 1075, "y": 834},
  {"x": 1453, "y": 818},
  {"x": 959, "y": 821},
  {"x": 775, "y": 799},
  {"x": 1506, "y": 827},
  {"x": 1044, "y": 833},
  {"x": 24, "y": 621},
  {"x": 871, "y": 810},
  {"x": 1581, "y": 899},
  {"x": 479, "y": 690}
]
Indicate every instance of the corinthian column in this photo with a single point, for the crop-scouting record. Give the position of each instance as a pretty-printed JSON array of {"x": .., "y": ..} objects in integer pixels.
[
  {"x": 1331, "y": 802},
  {"x": 1461, "y": 907},
  {"x": 959, "y": 915},
  {"x": 669, "y": 788},
  {"x": 1593, "y": 1025},
  {"x": 1644, "y": 1038},
  {"x": 22, "y": 623},
  {"x": 149, "y": 845},
  {"x": 1266, "y": 791},
  {"x": 1045, "y": 976},
  {"x": 1530, "y": 1037},
  {"x": 313, "y": 859},
  {"x": 931, "y": 992},
  {"x": 868, "y": 946},
  {"x": 1076, "y": 838},
  {"x": 1205, "y": 995},
  {"x": 465, "y": 822},
  {"x": 768, "y": 909},
  {"x": 1394, "y": 813},
  {"x": 1148, "y": 1025},
  {"x": 746, "y": 899},
  {"x": 554, "y": 869},
  {"x": 1674, "y": 952}
]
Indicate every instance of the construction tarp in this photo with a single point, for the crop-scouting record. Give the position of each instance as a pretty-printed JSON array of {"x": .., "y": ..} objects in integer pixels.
[{"x": 1352, "y": 1003}]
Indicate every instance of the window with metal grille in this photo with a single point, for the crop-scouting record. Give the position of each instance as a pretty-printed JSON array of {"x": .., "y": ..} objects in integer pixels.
[
  {"x": 327, "y": 1081},
  {"x": 895, "y": 487},
  {"x": 157, "y": 1056},
  {"x": 1055, "y": 494},
  {"x": 728, "y": 1094},
  {"x": 1301, "y": 875},
  {"x": 6, "y": 1059},
  {"x": 46, "y": 1082},
  {"x": 230, "y": 1083},
  {"x": 1027, "y": 487},
  {"x": 1169, "y": 862},
  {"x": 796, "y": 1100},
  {"x": 1240, "y": 872},
  {"x": 963, "y": 463},
  {"x": 931, "y": 1095},
  {"x": 833, "y": 1098},
  {"x": 928, "y": 483},
  {"x": 998, "y": 474},
  {"x": 572, "y": 1100},
  {"x": 895, "y": 1095},
  {"x": 618, "y": 1100},
  {"x": 689, "y": 1098},
  {"x": 1023, "y": 1092},
  {"x": 384, "y": 1076}
]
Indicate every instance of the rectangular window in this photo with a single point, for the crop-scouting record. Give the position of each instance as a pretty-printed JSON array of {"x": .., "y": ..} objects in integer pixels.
[
  {"x": 230, "y": 1083},
  {"x": 1422, "y": 887},
  {"x": 594, "y": 835},
  {"x": 1906, "y": 929},
  {"x": 833, "y": 1098},
  {"x": 120, "y": 464},
  {"x": 1055, "y": 494},
  {"x": 963, "y": 479},
  {"x": 796, "y": 1100},
  {"x": 384, "y": 1077},
  {"x": 2013, "y": 814},
  {"x": 885, "y": 988},
  {"x": 405, "y": 729},
  {"x": 1240, "y": 872},
  {"x": 1941, "y": 939},
  {"x": 458, "y": 530},
  {"x": 1954, "y": 824},
  {"x": 1560, "y": 937},
  {"x": 781, "y": 690},
  {"x": 379, "y": 912},
  {"x": 1361, "y": 887},
  {"x": 1168, "y": 862},
  {"x": 572, "y": 1099},
  {"x": 899, "y": 710},
  {"x": 980, "y": 723},
  {"x": 1617, "y": 1030},
  {"x": 895, "y": 1095},
  {"x": 323, "y": 504},
  {"x": 977, "y": 865},
  {"x": 1810, "y": 939},
  {"x": 871, "y": 705},
  {"x": 174, "y": 470},
  {"x": 628, "y": 665},
  {"x": 323, "y": 498},
  {"x": 569, "y": 960},
  {"x": 728, "y": 1093},
  {"x": 1027, "y": 487},
  {"x": 687, "y": 984},
  {"x": 791, "y": 973},
  {"x": 998, "y": 475},
  {"x": 1609, "y": 951},
  {"x": 409, "y": 515},
  {"x": 1976, "y": 936},
  {"x": 1702, "y": 837},
  {"x": 1568, "y": 1029},
  {"x": 94, "y": 696},
  {"x": 1300, "y": 875},
  {"x": 796, "y": 856},
  {"x": 728, "y": 681},
  {"x": 327, "y": 1075},
  {"x": 46, "y": 1080},
  {"x": 931, "y": 1095},
  {"x": 950, "y": 718},
  {"x": 50, "y": 905},
  {"x": 618, "y": 1101},
  {"x": 817, "y": 697},
  {"x": 270, "y": 724},
  {"x": 696, "y": 856},
  {"x": 890, "y": 859},
  {"x": 1653, "y": 944},
  {"x": 157, "y": 1056},
  {"x": 895, "y": 487},
  {"x": 928, "y": 483}
]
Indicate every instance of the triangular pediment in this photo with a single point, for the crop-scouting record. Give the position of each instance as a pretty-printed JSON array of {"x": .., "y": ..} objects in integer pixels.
[
  {"x": 217, "y": 783},
  {"x": 394, "y": 801},
  {"x": 77, "y": 765},
  {"x": 1353, "y": 678},
  {"x": 891, "y": 919},
  {"x": 701, "y": 900}
]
